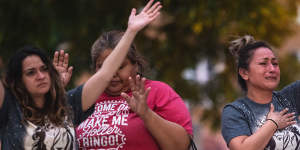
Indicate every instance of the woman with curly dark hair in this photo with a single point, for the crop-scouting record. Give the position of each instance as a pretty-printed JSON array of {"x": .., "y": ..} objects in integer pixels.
[{"x": 35, "y": 103}]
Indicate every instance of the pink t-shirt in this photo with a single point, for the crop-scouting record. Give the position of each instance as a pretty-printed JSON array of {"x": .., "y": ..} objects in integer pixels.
[{"x": 114, "y": 126}]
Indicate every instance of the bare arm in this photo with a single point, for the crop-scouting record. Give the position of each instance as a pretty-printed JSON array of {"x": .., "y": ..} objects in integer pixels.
[
  {"x": 169, "y": 135},
  {"x": 257, "y": 141},
  {"x": 260, "y": 139},
  {"x": 99, "y": 81}
]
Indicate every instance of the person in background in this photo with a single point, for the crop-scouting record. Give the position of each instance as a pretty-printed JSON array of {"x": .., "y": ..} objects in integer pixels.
[
  {"x": 263, "y": 118},
  {"x": 35, "y": 112}
]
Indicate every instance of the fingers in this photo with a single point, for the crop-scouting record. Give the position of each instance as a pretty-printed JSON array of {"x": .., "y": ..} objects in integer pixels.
[
  {"x": 61, "y": 58},
  {"x": 271, "y": 108},
  {"x": 291, "y": 123},
  {"x": 134, "y": 84},
  {"x": 133, "y": 13},
  {"x": 126, "y": 96},
  {"x": 138, "y": 84},
  {"x": 142, "y": 85},
  {"x": 70, "y": 70},
  {"x": 65, "y": 62},
  {"x": 136, "y": 95},
  {"x": 55, "y": 59},
  {"x": 155, "y": 13},
  {"x": 284, "y": 111},
  {"x": 131, "y": 84},
  {"x": 154, "y": 7},
  {"x": 287, "y": 119},
  {"x": 288, "y": 115},
  {"x": 290, "y": 118},
  {"x": 148, "y": 5},
  {"x": 282, "y": 118}
]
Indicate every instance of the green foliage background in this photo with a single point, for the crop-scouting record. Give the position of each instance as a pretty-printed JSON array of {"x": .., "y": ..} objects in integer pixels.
[{"x": 193, "y": 31}]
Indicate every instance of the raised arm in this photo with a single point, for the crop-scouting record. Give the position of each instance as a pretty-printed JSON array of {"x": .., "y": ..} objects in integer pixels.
[
  {"x": 100, "y": 80},
  {"x": 168, "y": 135}
]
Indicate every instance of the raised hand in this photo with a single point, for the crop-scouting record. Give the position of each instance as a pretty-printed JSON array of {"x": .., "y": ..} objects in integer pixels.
[
  {"x": 138, "y": 101},
  {"x": 283, "y": 118},
  {"x": 148, "y": 14},
  {"x": 61, "y": 63}
]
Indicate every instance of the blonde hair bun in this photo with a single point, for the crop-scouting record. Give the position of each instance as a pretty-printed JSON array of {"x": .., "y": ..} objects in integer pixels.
[{"x": 238, "y": 44}]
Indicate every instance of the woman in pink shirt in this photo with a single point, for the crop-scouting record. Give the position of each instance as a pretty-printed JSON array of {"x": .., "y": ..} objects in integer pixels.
[
  {"x": 142, "y": 118},
  {"x": 152, "y": 119}
]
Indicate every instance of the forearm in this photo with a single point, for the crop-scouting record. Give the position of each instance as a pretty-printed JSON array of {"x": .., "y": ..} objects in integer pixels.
[
  {"x": 99, "y": 81},
  {"x": 257, "y": 141},
  {"x": 168, "y": 135}
]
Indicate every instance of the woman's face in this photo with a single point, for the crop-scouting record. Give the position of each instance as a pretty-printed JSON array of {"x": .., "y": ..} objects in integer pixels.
[
  {"x": 264, "y": 71},
  {"x": 119, "y": 82},
  {"x": 35, "y": 76}
]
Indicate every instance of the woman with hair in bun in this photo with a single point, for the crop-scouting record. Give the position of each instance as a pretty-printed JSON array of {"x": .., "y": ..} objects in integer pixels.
[{"x": 263, "y": 118}]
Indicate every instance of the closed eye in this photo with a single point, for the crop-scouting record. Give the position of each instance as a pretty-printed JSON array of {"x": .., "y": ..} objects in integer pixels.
[{"x": 262, "y": 63}]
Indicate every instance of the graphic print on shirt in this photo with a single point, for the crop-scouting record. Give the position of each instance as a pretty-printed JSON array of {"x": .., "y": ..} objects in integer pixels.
[
  {"x": 49, "y": 137},
  {"x": 286, "y": 139},
  {"x": 103, "y": 129}
]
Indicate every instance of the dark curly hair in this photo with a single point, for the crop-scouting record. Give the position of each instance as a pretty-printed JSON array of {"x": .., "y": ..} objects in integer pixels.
[{"x": 55, "y": 107}]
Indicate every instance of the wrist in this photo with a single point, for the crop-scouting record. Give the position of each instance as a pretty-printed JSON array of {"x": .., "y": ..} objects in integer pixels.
[
  {"x": 273, "y": 122},
  {"x": 131, "y": 30},
  {"x": 145, "y": 116}
]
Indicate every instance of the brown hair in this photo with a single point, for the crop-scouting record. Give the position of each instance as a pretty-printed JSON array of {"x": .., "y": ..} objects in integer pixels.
[
  {"x": 109, "y": 40},
  {"x": 55, "y": 107},
  {"x": 243, "y": 49}
]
